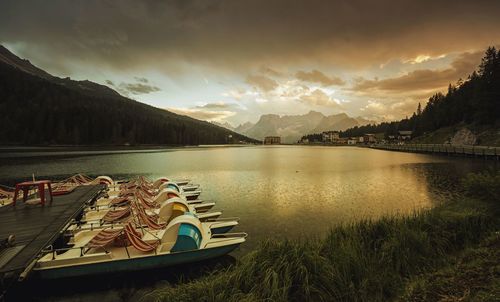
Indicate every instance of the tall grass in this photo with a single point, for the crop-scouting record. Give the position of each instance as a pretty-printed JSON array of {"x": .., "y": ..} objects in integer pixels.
[
  {"x": 484, "y": 185},
  {"x": 363, "y": 261}
]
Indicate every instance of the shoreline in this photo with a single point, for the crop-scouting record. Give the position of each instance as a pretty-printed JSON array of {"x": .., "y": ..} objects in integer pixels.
[
  {"x": 448, "y": 251},
  {"x": 25, "y": 152}
]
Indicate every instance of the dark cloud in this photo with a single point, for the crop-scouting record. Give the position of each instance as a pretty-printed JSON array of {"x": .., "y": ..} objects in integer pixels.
[
  {"x": 142, "y": 80},
  {"x": 425, "y": 79},
  {"x": 216, "y": 106},
  {"x": 138, "y": 88},
  {"x": 229, "y": 34},
  {"x": 134, "y": 88},
  {"x": 316, "y": 76},
  {"x": 262, "y": 83}
]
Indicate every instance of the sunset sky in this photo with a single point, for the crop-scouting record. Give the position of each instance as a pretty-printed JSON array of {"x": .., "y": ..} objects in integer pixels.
[{"x": 235, "y": 60}]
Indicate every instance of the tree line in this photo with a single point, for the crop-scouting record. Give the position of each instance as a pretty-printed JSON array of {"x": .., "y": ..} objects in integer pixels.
[
  {"x": 35, "y": 111},
  {"x": 475, "y": 101}
]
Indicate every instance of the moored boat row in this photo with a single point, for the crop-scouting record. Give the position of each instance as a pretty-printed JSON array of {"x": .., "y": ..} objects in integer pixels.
[{"x": 135, "y": 225}]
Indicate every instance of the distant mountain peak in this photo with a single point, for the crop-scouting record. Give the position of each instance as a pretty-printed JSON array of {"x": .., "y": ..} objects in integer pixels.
[
  {"x": 292, "y": 127},
  {"x": 226, "y": 125}
]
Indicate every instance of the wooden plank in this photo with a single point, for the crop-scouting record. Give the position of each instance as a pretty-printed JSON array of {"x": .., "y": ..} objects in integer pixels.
[{"x": 36, "y": 227}]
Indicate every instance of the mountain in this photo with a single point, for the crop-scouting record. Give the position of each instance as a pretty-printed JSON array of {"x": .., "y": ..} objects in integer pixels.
[
  {"x": 292, "y": 127},
  {"x": 86, "y": 87},
  {"x": 335, "y": 122},
  {"x": 362, "y": 121},
  {"x": 242, "y": 128},
  {"x": 6, "y": 57},
  {"x": 224, "y": 125},
  {"x": 39, "y": 108}
]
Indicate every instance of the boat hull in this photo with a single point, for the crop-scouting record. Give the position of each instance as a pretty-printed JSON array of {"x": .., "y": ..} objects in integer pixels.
[
  {"x": 222, "y": 230},
  {"x": 192, "y": 196},
  {"x": 134, "y": 264}
]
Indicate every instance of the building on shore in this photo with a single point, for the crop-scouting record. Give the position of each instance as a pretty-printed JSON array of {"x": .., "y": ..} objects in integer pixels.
[
  {"x": 352, "y": 140},
  {"x": 330, "y": 136},
  {"x": 369, "y": 138},
  {"x": 272, "y": 140},
  {"x": 405, "y": 135}
]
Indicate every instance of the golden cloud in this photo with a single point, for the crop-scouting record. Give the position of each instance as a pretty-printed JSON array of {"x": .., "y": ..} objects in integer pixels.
[{"x": 316, "y": 76}]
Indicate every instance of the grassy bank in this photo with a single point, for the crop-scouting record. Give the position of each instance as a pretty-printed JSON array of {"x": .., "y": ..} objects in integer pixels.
[{"x": 400, "y": 258}]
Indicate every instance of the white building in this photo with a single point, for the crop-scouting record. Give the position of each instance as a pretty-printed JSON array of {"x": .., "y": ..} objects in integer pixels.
[
  {"x": 352, "y": 141},
  {"x": 331, "y": 136},
  {"x": 405, "y": 135}
]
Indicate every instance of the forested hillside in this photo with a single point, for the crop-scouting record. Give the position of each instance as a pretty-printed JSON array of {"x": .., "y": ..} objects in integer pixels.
[
  {"x": 39, "y": 110},
  {"x": 475, "y": 101}
]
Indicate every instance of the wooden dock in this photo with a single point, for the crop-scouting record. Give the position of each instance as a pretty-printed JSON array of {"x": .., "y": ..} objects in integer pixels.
[
  {"x": 485, "y": 152},
  {"x": 35, "y": 227}
]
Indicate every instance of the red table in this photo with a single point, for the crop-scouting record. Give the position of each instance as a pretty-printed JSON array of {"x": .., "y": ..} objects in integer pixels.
[{"x": 40, "y": 184}]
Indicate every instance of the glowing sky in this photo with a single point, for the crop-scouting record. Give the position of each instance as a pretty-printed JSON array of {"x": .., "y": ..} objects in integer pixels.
[{"x": 235, "y": 60}]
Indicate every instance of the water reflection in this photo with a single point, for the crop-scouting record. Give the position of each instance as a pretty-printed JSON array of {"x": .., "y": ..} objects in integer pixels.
[
  {"x": 277, "y": 191},
  {"x": 289, "y": 191}
]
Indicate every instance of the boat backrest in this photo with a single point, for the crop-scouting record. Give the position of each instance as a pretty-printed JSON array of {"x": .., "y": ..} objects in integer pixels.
[
  {"x": 157, "y": 183},
  {"x": 172, "y": 208},
  {"x": 103, "y": 180},
  {"x": 170, "y": 185},
  {"x": 167, "y": 194},
  {"x": 188, "y": 238},
  {"x": 173, "y": 229}
]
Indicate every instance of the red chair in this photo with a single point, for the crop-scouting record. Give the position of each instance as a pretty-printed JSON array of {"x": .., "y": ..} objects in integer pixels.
[{"x": 25, "y": 186}]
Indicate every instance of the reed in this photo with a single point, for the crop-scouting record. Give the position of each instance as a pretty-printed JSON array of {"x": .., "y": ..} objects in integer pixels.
[{"x": 362, "y": 261}]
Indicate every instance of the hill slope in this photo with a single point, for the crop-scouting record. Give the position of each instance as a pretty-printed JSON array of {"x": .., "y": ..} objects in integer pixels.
[
  {"x": 38, "y": 108},
  {"x": 473, "y": 103}
]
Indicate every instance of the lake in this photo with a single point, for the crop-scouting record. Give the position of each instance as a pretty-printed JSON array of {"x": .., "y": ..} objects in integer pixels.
[{"x": 276, "y": 191}]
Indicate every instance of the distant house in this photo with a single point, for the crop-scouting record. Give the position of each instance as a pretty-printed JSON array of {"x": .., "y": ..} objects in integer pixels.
[
  {"x": 369, "y": 138},
  {"x": 361, "y": 139},
  {"x": 272, "y": 140},
  {"x": 330, "y": 136},
  {"x": 405, "y": 135},
  {"x": 342, "y": 140},
  {"x": 352, "y": 141}
]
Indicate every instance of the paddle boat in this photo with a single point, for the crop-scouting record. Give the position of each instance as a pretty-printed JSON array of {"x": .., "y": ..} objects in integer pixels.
[
  {"x": 6, "y": 196},
  {"x": 151, "y": 199},
  {"x": 127, "y": 248},
  {"x": 166, "y": 211},
  {"x": 191, "y": 194}
]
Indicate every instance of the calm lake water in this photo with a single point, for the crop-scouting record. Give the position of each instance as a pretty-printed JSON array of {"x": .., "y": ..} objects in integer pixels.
[
  {"x": 283, "y": 191},
  {"x": 277, "y": 191}
]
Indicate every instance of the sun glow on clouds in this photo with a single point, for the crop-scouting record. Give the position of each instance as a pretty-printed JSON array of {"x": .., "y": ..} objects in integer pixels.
[
  {"x": 268, "y": 93},
  {"x": 202, "y": 52},
  {"x": 203, "y": 114},
  {"x": 388, "y": 98},
  {"x": 423, "y": 58}
]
